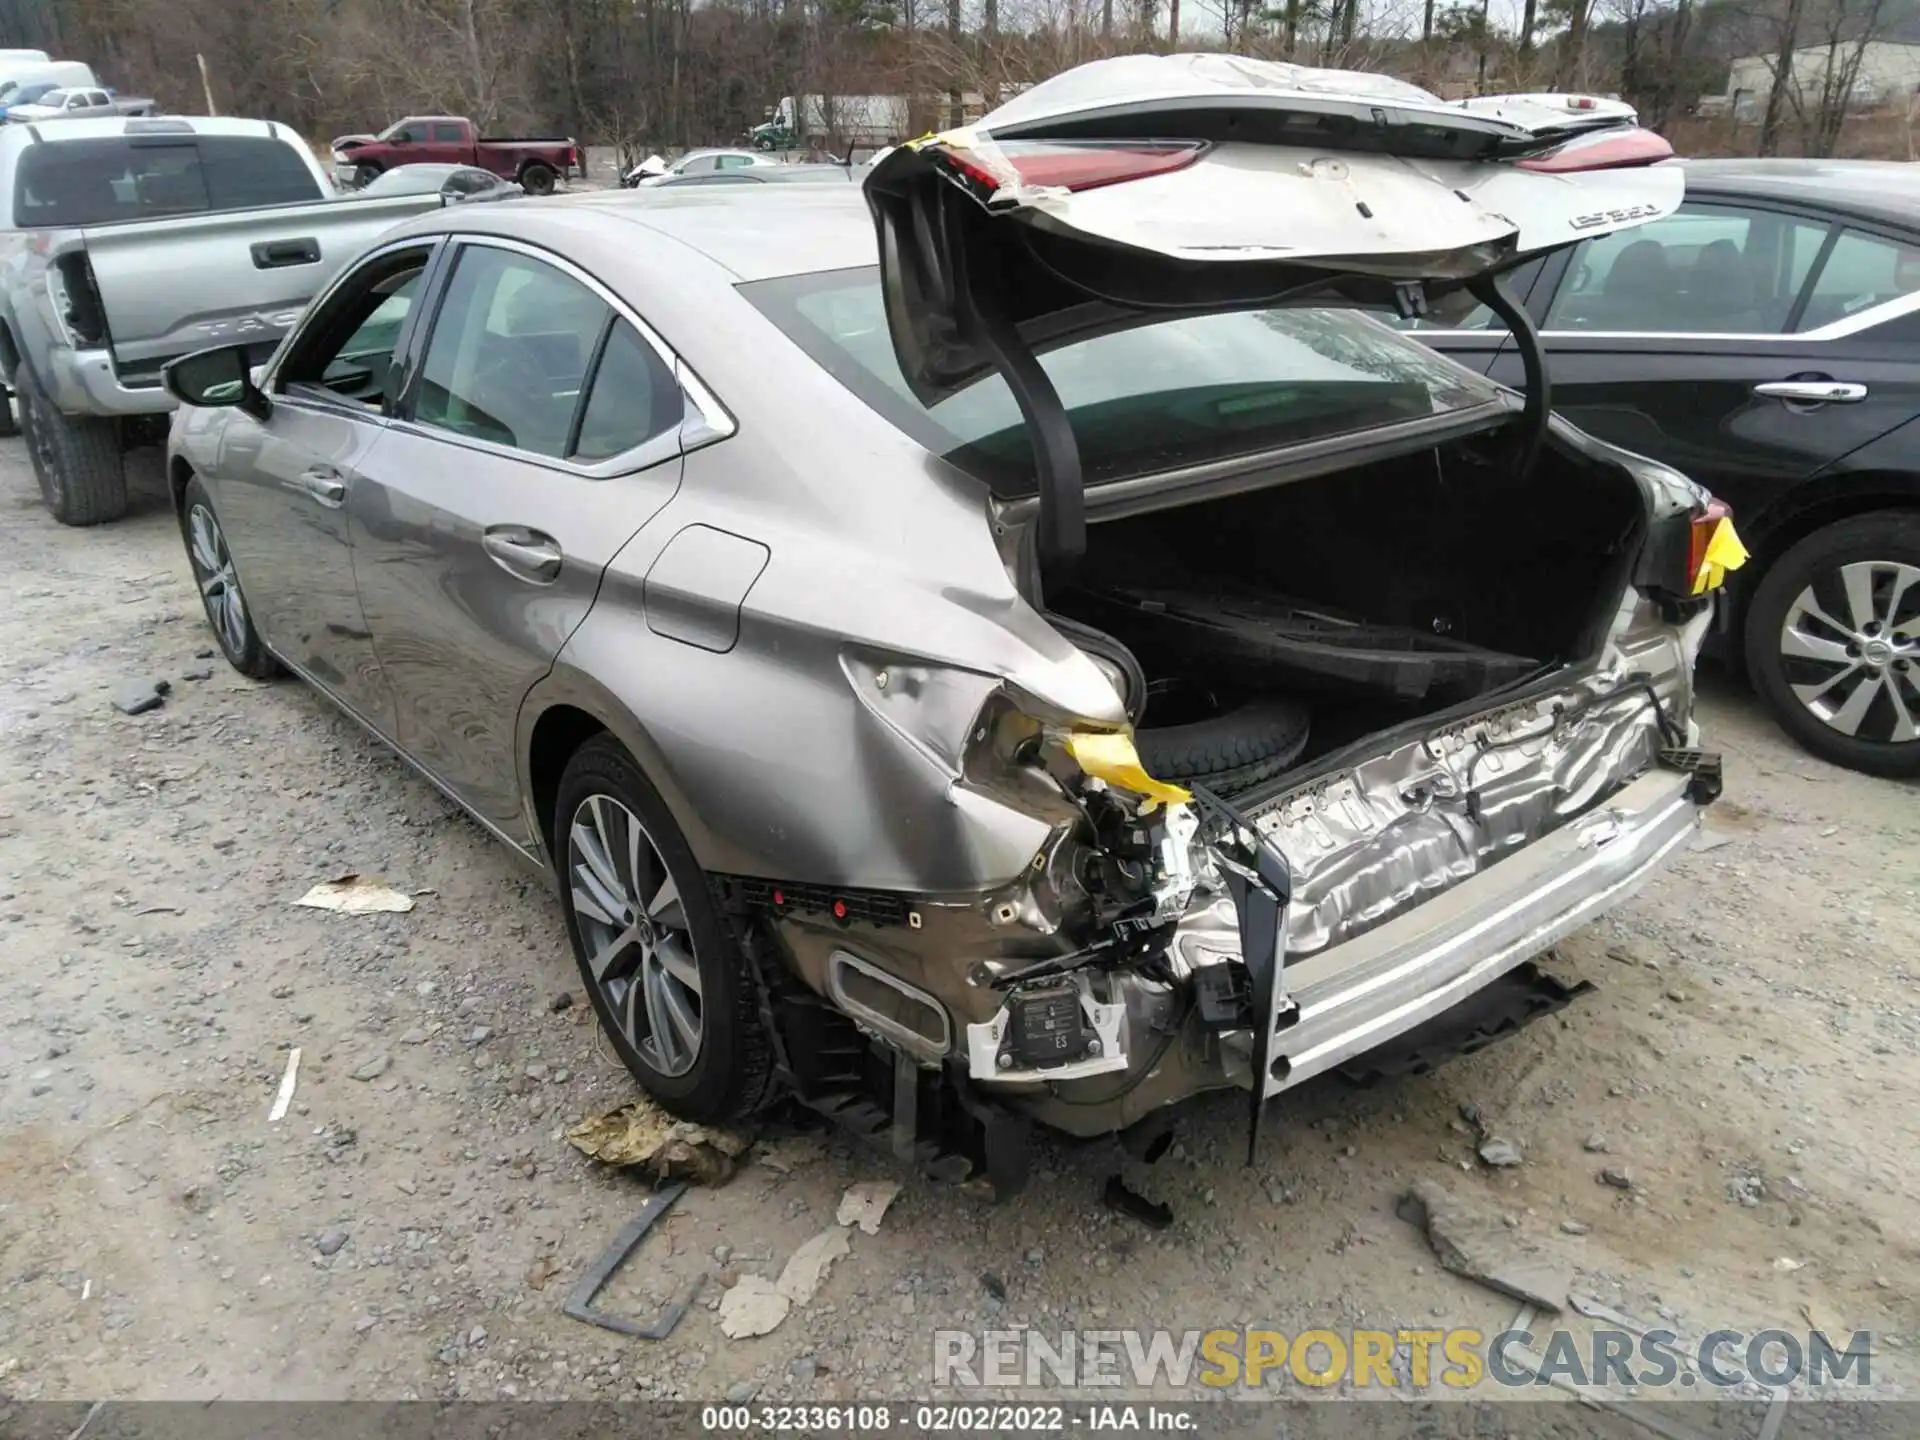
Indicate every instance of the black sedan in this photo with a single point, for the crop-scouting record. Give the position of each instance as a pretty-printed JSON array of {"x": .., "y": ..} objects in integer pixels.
[{"x": 1765, "y": 339}]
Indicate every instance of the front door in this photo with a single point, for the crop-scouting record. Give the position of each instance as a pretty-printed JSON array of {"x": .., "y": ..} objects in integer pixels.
[
  {"x": 541, "y": 432},
  {"x": 286, "y": 485}
]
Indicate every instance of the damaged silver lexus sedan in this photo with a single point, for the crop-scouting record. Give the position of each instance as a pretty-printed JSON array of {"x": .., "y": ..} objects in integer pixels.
[{"x": 1014, "y": 641}]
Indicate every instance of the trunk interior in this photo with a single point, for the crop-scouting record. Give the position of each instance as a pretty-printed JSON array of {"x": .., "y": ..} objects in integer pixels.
[{"x": 1362, "y": 599}]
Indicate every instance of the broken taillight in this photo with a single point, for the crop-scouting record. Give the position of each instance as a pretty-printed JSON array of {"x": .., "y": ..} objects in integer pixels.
[
  {"x": 1601, "y": 150},
  {"x": 1076, "y": 165}
]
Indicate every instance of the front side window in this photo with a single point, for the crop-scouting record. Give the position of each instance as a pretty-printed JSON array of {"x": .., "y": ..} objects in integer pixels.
[
  {"x": 1705, "y": 269},
  {"x": 1154, "y": 397},
  {"x": 509, "y": 352},
  {"x": 700, "y": 165},
  {"x": 1861, "y": 271},
  {"x": 735, "y": 162},
  {"x": 347, "y": 350}
]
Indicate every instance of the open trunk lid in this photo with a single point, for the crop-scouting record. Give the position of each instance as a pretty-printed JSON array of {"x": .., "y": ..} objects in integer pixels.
[
  {"x": 1133, "y": 190},
  {"x": 1201, "y": 182}
]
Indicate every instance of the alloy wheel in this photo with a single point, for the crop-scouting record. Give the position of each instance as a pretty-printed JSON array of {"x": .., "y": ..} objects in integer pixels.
[
  {"x": 1850, "y": 650},
  {"x": 635, "y": 932},
  {"x": 219, "y": 586}
]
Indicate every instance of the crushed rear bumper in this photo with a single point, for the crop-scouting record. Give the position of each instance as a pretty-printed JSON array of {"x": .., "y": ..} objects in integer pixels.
[{"x": 1377, "y": 986}]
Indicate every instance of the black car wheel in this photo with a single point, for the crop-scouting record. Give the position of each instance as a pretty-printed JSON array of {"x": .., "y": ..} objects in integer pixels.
[
  {"x": 76, "y": 458},
  {"x": 671, "y": 987},
  {"x": 1833, "y": 642},
  {"x": 537, "y": 180},
  {"x": 219, "y": 585}
]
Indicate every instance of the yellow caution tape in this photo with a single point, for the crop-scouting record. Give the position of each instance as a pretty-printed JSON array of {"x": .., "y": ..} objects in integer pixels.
[
  {"x": 1724, "y": 552},
  {"x": 1110, "y": 756}
]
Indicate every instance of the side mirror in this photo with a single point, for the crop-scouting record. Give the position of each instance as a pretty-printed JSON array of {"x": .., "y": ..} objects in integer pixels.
[{"x": 213, "y": 378}]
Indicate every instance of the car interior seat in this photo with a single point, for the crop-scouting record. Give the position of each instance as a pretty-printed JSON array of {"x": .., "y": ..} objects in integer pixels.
[{"x": 1720, "y": 291}]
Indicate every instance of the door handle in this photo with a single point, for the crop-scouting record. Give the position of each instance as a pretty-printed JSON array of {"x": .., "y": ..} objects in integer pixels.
[
  {"x": 1813, "y": 392},
  {"x": 523, "y": 552},
  {"x": 278, "y": 254},
  {"x": 324, "y": 484}
]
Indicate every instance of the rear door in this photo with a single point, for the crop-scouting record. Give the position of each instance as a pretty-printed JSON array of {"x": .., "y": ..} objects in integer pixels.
[
  {"x": 540, "y": 431},
  {"x": 1746, "y": 345},
  {"x": 199, "y": 241}
]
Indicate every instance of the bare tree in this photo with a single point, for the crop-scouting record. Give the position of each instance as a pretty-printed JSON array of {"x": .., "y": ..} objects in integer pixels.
[
  {"x": 1782, "y": 71},
  {"x": 1847, "y": 27}
]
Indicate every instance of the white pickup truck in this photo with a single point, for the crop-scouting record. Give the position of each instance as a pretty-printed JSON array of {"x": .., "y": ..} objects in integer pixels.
[
  {"x": 127, "y": 243},
  {"x": 85, "y": 102}
]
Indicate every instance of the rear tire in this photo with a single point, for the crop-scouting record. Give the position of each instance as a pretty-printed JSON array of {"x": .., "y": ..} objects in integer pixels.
[
  {"x": 365, "y": 175},
  {"x": 672, "y": 988},
  {"x": 9, "y": 426},
  {"x": 76, "y": 458},
  {"x": 1831, "y": 654},
  {"x": 537, "y": 179}
]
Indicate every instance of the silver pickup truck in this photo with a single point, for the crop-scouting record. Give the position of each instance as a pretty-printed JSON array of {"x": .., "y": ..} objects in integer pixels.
[{"x": 126, "y": 243}]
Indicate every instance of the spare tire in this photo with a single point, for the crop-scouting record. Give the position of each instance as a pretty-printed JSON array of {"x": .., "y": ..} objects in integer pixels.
[{"x": 1228, "y": 752}]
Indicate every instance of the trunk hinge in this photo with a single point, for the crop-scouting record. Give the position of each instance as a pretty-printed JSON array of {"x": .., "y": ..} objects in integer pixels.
[
  {"x": 1060, "y": 531},
  {"x": 1492, "y": 292}
]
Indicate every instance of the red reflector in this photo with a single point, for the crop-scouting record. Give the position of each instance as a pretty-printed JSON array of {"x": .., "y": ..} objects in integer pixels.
[
  {"x": 779, "y": 898},
  {"x": 1704, "y": 524},
  {"x": 1604, "y": 150},
  {"x": 839, "y": 909},
  {"x": 1077, "y": 165}
]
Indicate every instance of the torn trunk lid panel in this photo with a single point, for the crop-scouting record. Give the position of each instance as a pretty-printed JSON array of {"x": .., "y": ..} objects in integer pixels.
[{"x": 1209, "y": 182}]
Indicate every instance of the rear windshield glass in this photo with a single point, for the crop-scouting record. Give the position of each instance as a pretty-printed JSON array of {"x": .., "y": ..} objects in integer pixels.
[
  {"x": 1155, "y": 397},
  {"x": 112, "y": 178}
]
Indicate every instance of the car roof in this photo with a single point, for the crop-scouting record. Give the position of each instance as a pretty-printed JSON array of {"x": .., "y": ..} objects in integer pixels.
[
  {"x": 809, "y": 227},
  {"x": 1870, "y": 189}
]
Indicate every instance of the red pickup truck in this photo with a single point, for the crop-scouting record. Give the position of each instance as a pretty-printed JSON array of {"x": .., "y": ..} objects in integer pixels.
[{"x": 453, "y": 140}]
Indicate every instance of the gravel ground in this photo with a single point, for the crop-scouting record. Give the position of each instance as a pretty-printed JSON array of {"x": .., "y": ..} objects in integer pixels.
[{"x": 410, "y": 1228}]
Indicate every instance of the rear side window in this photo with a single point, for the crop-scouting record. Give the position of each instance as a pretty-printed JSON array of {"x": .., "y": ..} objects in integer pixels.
[
  {"x": 119, "y": 178},
  {"x": 509, "y": 352},
  {"x": 1706, "y": 269},
  {"x": 634, "y": 398},
  {"x": 1861, "y": 271},
  {"x": 1154, "y": 397},
  {"x": 509, "y": 359}
]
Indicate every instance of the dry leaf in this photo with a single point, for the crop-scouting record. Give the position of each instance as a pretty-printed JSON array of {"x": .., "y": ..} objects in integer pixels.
[
  {"x": 752, "y": 1307},
  {"x": 865, "y": 1203},
  {"x": 809, "y": 1264},
  {"x": 790, "y": 1153},
  {"x": 640, "y": 1133}
]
